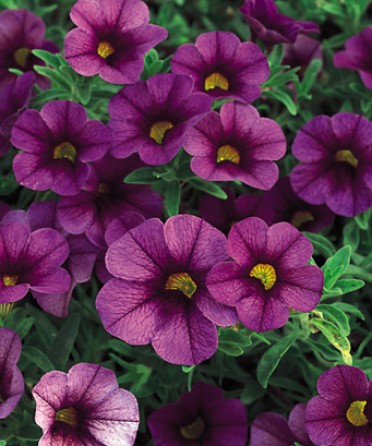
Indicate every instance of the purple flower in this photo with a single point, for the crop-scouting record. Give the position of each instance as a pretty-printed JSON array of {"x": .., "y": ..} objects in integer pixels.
[
  {"x": 266, "y": 23},
  {"x": 152, "y": 117},
  {"x": 272, "y": 429},
  {"x": 357, "y": 56},
  {"x": 268, "y": 275},
  {"x": 236, "y": 144},
  {"x": 111, "y": 39},
  {"x": 282, "y": 204},
  {"x": 336, "y": 167},
  {"x": 31, "y": 261},
  {"x": 159, "y": 295},
  {"x": 105, "y": 197},
  {"x": 222, "y": 214},
  {"x": 11, "y": 379},
  {"x": 342, "y": 413},
  {"x": 20, "y": 33},
  {"x": 14, "y": 98},
  {"x": 302, "y": 52},
  {"x": 202, "y": 417},
  {"x": 222, "y": 66},
  {"x": 57, "y": 143},
  {"x": 85, "y": 407}
]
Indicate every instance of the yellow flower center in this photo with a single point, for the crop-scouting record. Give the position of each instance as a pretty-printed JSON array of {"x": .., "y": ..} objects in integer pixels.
[
  {"x": 103, "y": 188},
  {"x": 68, "y": 415},
  {"x": 105, "y": 49},
  {"x": 265, "y": 273},
  {"x": 301, "y": 217},
  {"x": 216, "y": 80},
  {"x": 10, "y": 280},
  {"x": 228, "y": 153},
  {"x": 158, "y": 130},
  {"x": 346, "y": 156},
  {"x": 355, "y": 413},
  {"x": 5, "y": 309},
  {"x": 65, "y": 150},
  {"x": 181, "y": 282},
  {"x": 194, "y": 430},
  {"x": 21, "y": 56}
]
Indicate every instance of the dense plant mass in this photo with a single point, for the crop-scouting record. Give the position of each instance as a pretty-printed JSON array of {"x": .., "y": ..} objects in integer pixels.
[{"x": 185, "y": 214}]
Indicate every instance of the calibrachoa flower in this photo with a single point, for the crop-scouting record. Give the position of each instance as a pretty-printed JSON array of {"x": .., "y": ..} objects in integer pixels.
[
  {"x": 272, "y": 429},
  {"x": 236, "y": 144},
  {"x": 11, "y": 379},
  {"x": 222, "y": 66},
  {"x": 342, "y": 413},
  {"x": 281, "y": 204},
  {"x": 85, "y": 407},
  {"x": 336, "y": 163},
  {"x": 14, "y": 97},
  {"x": 31, "y": 261},
  {"x": 112, "y": 39},
  {"x": 222, "y": 214},
  {"x": 152, "y": 117},
  {"x": 159, "y": 295},
  {"x": 266, "y": 22},
  {"x": 105, "y": 197},
  {"x": 57, "y": 143},
  {"x": 302, "y": 52},
  {"x": 20, "y": 33},
  {"x": 357, "y": 56},
  {"x": 268, "y": 275},
  {"x": 202, "y": 417}
]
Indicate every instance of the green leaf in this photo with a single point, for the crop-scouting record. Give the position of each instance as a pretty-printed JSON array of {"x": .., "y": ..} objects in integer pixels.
[
  {"x": 336, "y": 316},
  {"x": 362, "y": 220},
  {"x": 49, "y": 58},
  {"x": 37, "y": 357},
  {"x": 321, "y": 244},
  {"x": 271, "y": 358},
  {"x": 230, "y": 348},
  {"x": 208, "y": 187},
  {"x": 310, "y": 75},
  {"x": 276, "y": 56},
  {"x": 351, "y": 235},
  {"x": 283, "y": 97},
  {"x": 188, "y": 368},
  {"x": 144, "y": 175},
  {"x": 335, "y": 266},
  {"x": 240, "y": 337},
  {"x": 172, "y": 198},
  {"x": 62, "y": 345},
  {"x": 53, "y": 75},
  {"x": 348, "y": 308},
  {"x": 349, "y": 285}
]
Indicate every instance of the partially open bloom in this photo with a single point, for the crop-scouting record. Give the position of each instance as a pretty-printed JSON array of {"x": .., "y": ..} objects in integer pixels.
[
  {"x": 11, "y": 379},
  {"x": 21, "y": 32},
  {"x": 342, "y": 413},
  {"x": 302, "y": 52},
  {"x": 202, "y": 417},
  {"x": 105, "y": 197},
  {"x": 31, "y": 261},
  {"x": 112, "y": 39},
  {"x": 236, "y": 144},
  {"x": 159, "y": 295},
  {"x": 222, "y": 66},
  {"x": 357, "y": 56},
  {"x": 272, "y": 27},
  {"x": 336, "y": 163},
  {"x": 85, "y": 406},
  {"x": 268, "y": 276},
  {"x": 57, "y": 143},
  {"x": 272, "y": 429},
  {"x": 152, "y": 117},
  {"x": 281, "y": 204}
]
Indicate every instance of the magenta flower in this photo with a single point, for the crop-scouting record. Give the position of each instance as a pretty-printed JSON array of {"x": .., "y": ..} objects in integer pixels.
[
  {"x": 342, "y": 413},
  {"x": 202, "y": 417},
  {"x": 222, "y": 66},
  {"x": 357, "y": 56},
  {"x": 152, "y": 117},
  {"x": 21, "y": 32},
  {"x": 281, "y": 204},
  {"x": 11, "y": 379},
  {"x": 222, "y": 214},
  {"x": 266, "y": 23},
  {"x": 336, "y": 163},
  {"x": 159, "y": 295},
  {"x": 14, "y": 98},
  {"x": 269, "y": 274},
  {"x": 85, "y": 407},
  {"x": 236, "y": 144},
  {"x": 31, "y": 261},
  {"x": 272, "y": 429},
  {"x": 57, "y": 143},
  {"x": 302, "y": 52},
  {"x": 105, "y": 197},
  {"x": 112, "y": 39}
]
